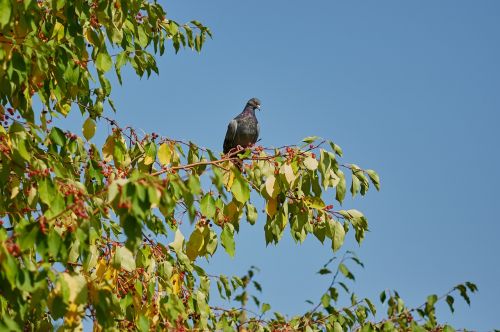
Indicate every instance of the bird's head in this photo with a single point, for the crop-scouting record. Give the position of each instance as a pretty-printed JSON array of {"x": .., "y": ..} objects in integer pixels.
[{"x": 254, "y": 103}]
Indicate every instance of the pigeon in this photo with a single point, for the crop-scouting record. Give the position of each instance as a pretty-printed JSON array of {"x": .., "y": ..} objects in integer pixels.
[{"x": 243, "y": 130}]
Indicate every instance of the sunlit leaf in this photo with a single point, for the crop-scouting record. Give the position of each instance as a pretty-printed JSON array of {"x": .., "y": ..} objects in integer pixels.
[{"x": 89, "y": 127}]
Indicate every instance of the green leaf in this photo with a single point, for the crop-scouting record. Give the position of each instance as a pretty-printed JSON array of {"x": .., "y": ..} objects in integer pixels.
[
  {"x": 150, "y": 153},
  {"x": 325, "y": 300},
  {"x": 463, "y": 293},
  {"x": 227, "y": 239},
  {"x": 265, "y": 307},
  {"x": 373, "y": 309},
  {"x": 5, "y": 12},
  {"x": 8, "y": 324},
  {"x": 178, "y": 241},
  {"x": 240, "y": 188},
  {"x": 57, "y": 136},
  {"x": 345, "y": 271},
  {"x": 47, "y": 190},
  {"x": 124, "y": 259},
  {"x": 340, "y": 190},
  {"x": 337, "y": 327},
  {"x": 88, "y": 129},
  {"x": 448, "y": 328},
  {"x": 374, "y": 178},
  {"x": 338, "y": 235},
  {"x": 324, "y": 271},
  {"x": 143, "y": 323},
  {"x": 116, "y": 34},
  {"x": 472, "y": 287},
  {"x": 310, "y": 139},
  {"x": 337, "y": 149},
  {"x": 211, "y": 242},
  {"x": 252, "y": 214},
  {"x": 207, "y": 206},
  {"x": 450, "y": 300},
  {"x": 103, "y": 61},
  {"x": 355, "y": 186}
]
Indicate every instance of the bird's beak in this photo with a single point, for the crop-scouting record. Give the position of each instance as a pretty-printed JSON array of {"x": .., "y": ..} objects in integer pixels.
[{"x": 258, "y": 107}]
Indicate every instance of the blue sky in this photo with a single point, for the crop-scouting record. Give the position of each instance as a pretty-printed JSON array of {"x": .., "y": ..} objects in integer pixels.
[{"x": 410, "y": 89}]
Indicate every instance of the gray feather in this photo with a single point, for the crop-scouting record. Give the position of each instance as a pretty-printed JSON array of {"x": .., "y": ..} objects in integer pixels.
[{"x": 244, "y": 129}]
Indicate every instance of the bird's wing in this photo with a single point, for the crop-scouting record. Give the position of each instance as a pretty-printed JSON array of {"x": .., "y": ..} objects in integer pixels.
[
  {"x": 258, "y": 132},
  {"x": 230, "y": 135}
]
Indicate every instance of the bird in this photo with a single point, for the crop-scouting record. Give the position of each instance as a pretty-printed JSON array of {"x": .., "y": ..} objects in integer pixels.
[{"x": 243, "y": 130}]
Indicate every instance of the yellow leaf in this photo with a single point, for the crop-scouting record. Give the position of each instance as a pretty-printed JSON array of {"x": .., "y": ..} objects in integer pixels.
[
  {"x": 148, "y": 160},
  {"x": 311, "y": 163},
  {"x": 165, "y": 154},
  {"x": 63, "y": 108},
  {"x": 195, "y": 243},
  {"x": 77, "y": 285},
  {"x": 73, "y": 317},
  {"x": 31, "y": 195},
  {"x": 108, "y": 148},
  {"x": 314, "y": 202},
  {"x": 272, "y": 207},
  {"x": 229, "y": 179},
  {"x": 58, "y": 32},
  {"x": 102, "y": 266},
  {"x": 288, "y": 171},
  {"x": 15, "y": 188},
  {"x": 272, "y": 187},
  {"x": 176, "y": 283},
  {"x": 106, "y": 273}
]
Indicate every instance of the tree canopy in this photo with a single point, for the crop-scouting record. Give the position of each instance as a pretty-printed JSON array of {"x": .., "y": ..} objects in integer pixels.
[{"x": 83, "y": 227}]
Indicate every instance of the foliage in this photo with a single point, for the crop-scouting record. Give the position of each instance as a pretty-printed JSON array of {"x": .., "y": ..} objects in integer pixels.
[{"x": 82, "y": 226}]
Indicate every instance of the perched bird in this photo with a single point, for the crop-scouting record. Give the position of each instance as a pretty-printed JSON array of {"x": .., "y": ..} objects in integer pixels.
[{"x": 243, "y": 130}]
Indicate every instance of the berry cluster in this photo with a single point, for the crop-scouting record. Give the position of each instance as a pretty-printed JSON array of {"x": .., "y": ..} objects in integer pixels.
[
  {"x": 106, "y": 169},
  {"x": 12, "y": 247},
  {"x": 68, "y": 189},
  {"x": 318, "y": 219},
  {"x": 78, "y": 206},
  {"x": 259, "y": 148},
  {"x": 69, "y": 135},
  {"x": 292, "y": 154},
  {"x": 39, "y": 172},
  {"x": 80, "y": 210}
]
